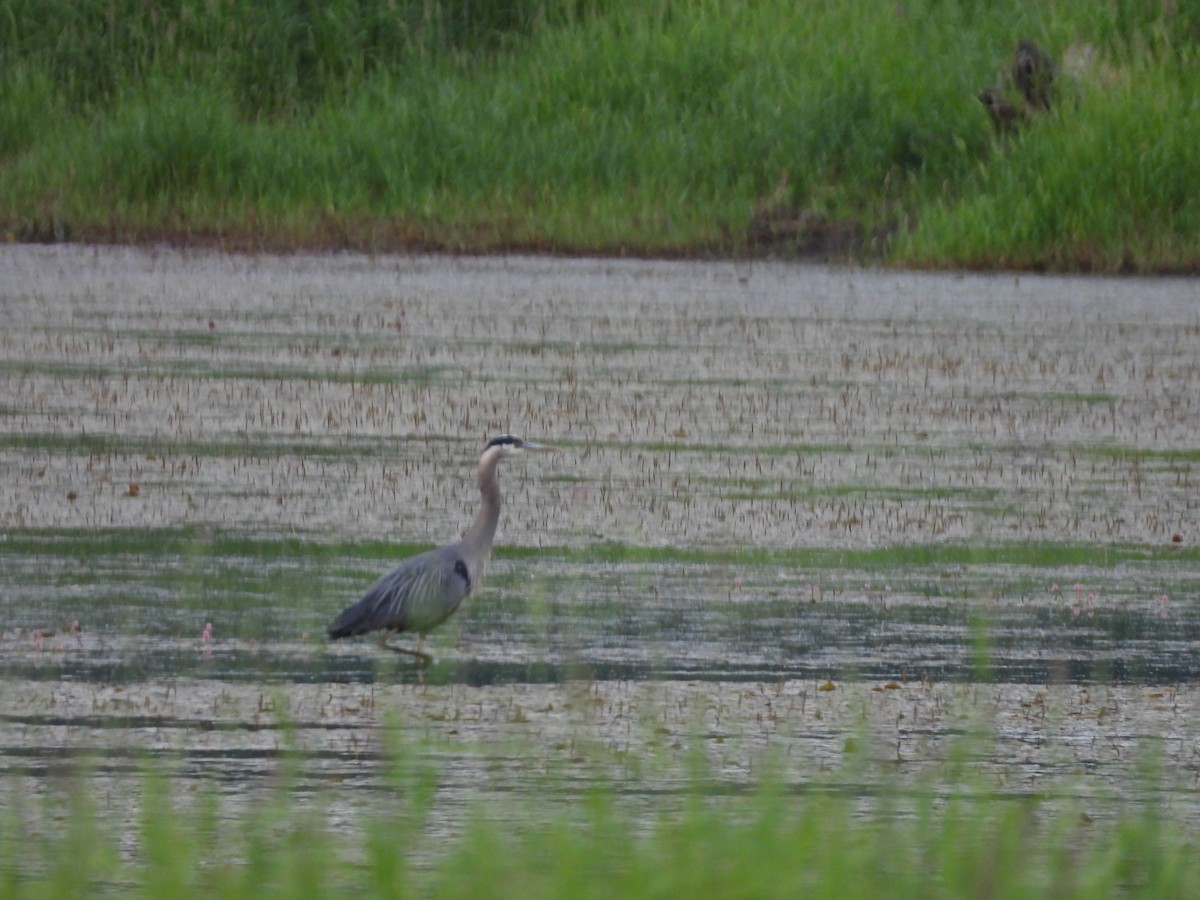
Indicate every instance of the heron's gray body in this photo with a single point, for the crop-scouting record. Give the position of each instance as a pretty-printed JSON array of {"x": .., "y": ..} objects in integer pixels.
[
  {"x": 422, "y": 592},
  {"x": 418, "y": 595}
]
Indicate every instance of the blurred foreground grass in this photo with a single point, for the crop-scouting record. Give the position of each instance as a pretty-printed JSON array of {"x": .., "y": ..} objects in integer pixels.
[
  {"x": 606, "y": 126},
  {"x": 958, "y": 839}
]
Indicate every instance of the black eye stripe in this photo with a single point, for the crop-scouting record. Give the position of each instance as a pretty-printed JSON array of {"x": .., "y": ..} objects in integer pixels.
[{"x": 504, "y": 439}]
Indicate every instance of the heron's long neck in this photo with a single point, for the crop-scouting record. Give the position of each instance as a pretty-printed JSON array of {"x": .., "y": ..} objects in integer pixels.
[{"x": 483, "y": 529}]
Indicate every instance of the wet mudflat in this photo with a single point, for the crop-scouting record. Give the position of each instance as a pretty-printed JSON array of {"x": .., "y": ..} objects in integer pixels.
[{"x": 803, "y": 515}]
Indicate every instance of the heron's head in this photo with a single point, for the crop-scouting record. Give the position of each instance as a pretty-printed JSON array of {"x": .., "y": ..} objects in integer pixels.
[{"x": 510, "y": 444}]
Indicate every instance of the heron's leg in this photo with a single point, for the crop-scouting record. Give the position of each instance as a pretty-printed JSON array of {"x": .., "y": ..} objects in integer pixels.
[{"x": 423, "y": 658}]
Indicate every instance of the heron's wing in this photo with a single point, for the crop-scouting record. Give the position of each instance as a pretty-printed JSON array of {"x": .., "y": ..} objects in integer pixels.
[{"x": 415, "y": 596}]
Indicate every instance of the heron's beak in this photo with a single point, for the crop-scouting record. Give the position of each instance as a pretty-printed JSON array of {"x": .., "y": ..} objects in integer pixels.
[{"x": 539, "y": 448}]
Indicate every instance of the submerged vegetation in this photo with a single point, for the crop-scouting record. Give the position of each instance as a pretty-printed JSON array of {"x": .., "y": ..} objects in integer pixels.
[
  {"x": 816, "y": 531},
  {"x": 844, "y": 129}
]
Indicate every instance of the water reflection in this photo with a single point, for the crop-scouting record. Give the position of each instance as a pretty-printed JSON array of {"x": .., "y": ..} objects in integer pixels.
[{"x": 764, "y": 642}]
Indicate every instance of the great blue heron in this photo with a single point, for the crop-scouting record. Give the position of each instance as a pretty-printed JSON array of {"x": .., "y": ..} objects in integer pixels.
[{"x": 421, "y": 593}]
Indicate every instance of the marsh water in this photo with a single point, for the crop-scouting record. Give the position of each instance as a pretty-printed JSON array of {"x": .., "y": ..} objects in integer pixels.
[{"x": 802, "y": 514}]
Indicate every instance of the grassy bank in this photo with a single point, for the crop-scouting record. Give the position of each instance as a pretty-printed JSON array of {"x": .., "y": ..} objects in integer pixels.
[
  {"x": 697, "y": 127},
  {"x": 767, "y": 842}
]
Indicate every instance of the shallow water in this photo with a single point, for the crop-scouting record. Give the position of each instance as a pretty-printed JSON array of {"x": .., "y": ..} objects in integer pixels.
[{"x": 786, "y": 491}]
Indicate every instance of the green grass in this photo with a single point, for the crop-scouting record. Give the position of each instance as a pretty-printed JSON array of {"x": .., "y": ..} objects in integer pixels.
[
  {"x": 603, "y": 126},
  {"x": 1110, "y": 184},
  {"x": 961, "y": 840},
  {"x": 94, "y": 543},
  {"x": 169, "y": 582},
  {"x": 412, "y": 375},
  {"x": 152, "y": 448}
]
